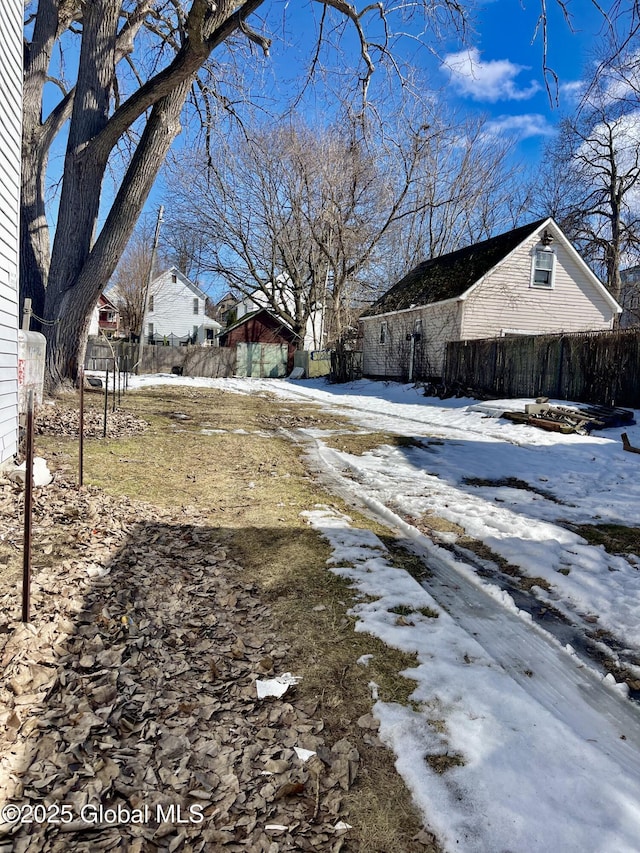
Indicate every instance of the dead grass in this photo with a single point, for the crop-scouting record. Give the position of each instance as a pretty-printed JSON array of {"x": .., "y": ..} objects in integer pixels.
[
  {"x": 434, "y": 523},
  {"x": 359, "y": 443},
  {"x": 441, "y": 763},
  {"x": 250, "y": 485},
  {"x": 513, "y": 483},
  {"x": 524, "y": 582},
  {"x": 404, "y": 558},
  {"x": 616, "y": 538}
]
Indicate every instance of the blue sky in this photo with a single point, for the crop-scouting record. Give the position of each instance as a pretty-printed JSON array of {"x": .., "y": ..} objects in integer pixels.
[
  {"x": 498, "y": 73},
  {"x": 502, "y": 71}
]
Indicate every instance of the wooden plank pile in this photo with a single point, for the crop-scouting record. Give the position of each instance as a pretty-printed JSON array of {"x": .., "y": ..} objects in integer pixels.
[{"x": 569, "y": 419}]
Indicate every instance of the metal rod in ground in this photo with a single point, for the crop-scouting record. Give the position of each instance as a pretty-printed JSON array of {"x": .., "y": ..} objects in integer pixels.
[
  {"x": 119, "y": 381},
  {"x": 126, "y": 373},
  {"x": 81, "y": 428},
  {"x": 114, "y": 386},
  {"x": 106, "y": 403},
  {"x": 28, "y": 514}
]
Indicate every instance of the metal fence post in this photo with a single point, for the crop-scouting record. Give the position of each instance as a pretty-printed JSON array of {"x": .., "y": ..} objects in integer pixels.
[
  {"x": 28, "y": 515},
  {"x": 106, "y": 403},
  {"x": 81, "y": 429}
]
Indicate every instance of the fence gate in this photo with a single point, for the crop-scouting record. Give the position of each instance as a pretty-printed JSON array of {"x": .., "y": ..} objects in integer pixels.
[{"x": 261, "y": 360}]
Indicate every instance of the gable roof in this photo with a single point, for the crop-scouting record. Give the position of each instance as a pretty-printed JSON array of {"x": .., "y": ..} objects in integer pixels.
[
  {"x": 276, "y": 322},
  {"x": 451, "y": 275},
  {"x": 105, "y": 302},
  {"x": 182, "y": 278}
]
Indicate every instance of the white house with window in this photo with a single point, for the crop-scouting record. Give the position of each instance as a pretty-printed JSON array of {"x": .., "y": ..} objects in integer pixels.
[
  {"x": 175, "y": 313},
  {"x": 527, "y": 281}
]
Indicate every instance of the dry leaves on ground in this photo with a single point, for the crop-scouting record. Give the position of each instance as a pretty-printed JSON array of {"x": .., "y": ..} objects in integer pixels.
[
  {"x": 60, "y": 418},
  {"x": 134, "y": 689}
]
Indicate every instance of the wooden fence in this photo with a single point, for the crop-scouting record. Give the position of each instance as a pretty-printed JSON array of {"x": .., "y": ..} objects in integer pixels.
[
  {"x": 590, "y": 367},
  {"x": 211, "y": 362},
  {"x": 346, "y": 365},
  {"x": 99, "y": 354}
]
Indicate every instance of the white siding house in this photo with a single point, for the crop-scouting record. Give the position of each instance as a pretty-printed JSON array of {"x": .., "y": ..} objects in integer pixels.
[
  {"x": 528, "y": 281},
  {"x": 176, "y": 312},
  {"x": 10, "y": 136}
]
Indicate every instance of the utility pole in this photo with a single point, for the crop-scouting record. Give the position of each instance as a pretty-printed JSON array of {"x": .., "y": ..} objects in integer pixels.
[{"x": 148, "y": 284}]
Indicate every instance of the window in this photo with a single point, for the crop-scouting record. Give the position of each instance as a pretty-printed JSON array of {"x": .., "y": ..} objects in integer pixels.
[
  {"x": 174, "y": 278},
  {"x": 383, "y": 332},
  {"x": 196, "y": 306},
  {"x": 543, "y": 265},
  {"x": 151, "y": 303},
  {"x": 195, "y": 334},
  {"x": 150, "y": 330}
]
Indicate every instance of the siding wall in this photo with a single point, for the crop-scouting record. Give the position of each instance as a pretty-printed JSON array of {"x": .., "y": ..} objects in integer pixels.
[
  {"x": 440, "y": 323},
  {"x": 10, "y": 133},
  {"x": 506, "y": 301},
  {"x": 173, "y": 308}
]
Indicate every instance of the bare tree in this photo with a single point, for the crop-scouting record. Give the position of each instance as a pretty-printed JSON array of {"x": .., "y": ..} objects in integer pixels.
[
  {"x": 591, "y": 182},
  {"x": 130, "y": 280},
  {"x": 329, "y": 216},
  {"x": 297, "y": 213},
  {"x": 469, "y": 188},
  {"x": 137, "y": 63}
]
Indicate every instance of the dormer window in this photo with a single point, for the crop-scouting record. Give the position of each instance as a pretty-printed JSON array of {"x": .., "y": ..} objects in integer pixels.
[{"x": 543, "y": 267}]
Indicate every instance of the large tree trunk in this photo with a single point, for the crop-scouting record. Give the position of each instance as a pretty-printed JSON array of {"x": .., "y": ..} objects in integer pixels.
[
  {"x": 66, "y": 283},
  {"x": 67, "y": 340},
  {"x": 34, "y": 231}
]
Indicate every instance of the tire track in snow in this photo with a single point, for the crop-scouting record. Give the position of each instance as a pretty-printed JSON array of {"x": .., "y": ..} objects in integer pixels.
[{"x": 557, "y": 680}]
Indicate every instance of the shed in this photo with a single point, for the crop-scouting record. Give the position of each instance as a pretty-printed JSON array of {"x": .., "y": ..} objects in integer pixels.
[{"x": 265, "y": 346}]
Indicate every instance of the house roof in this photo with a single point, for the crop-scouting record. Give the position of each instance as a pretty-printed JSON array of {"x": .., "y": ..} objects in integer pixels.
[
  {"x": 253, "y": 314},
  {"x": 197, "y": 291},
  {"x": 105, "y": 302},
  {"x": 451, "y": 275}
]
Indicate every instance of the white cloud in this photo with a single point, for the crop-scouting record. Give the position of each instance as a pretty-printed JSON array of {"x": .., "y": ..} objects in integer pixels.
[
  {"x": 494, "y": 80},
  {"x": 572, "y": 90},
  {"x": 522, "y": 126}
]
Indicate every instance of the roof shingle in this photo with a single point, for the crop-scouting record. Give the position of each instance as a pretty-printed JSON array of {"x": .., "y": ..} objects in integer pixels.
[{"x": 449, "y": 276}]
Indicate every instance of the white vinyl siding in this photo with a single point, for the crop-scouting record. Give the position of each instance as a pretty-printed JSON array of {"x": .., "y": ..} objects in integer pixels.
[
  {"x": 10, "y": 133},
  {"x": 176, "y": 301},
  {"x": 436, "y": 324},
  {"x": 506, "y": 300}
]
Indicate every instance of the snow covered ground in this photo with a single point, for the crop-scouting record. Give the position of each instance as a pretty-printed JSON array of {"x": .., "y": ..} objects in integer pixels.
[{"x": 513, "y": 743}]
